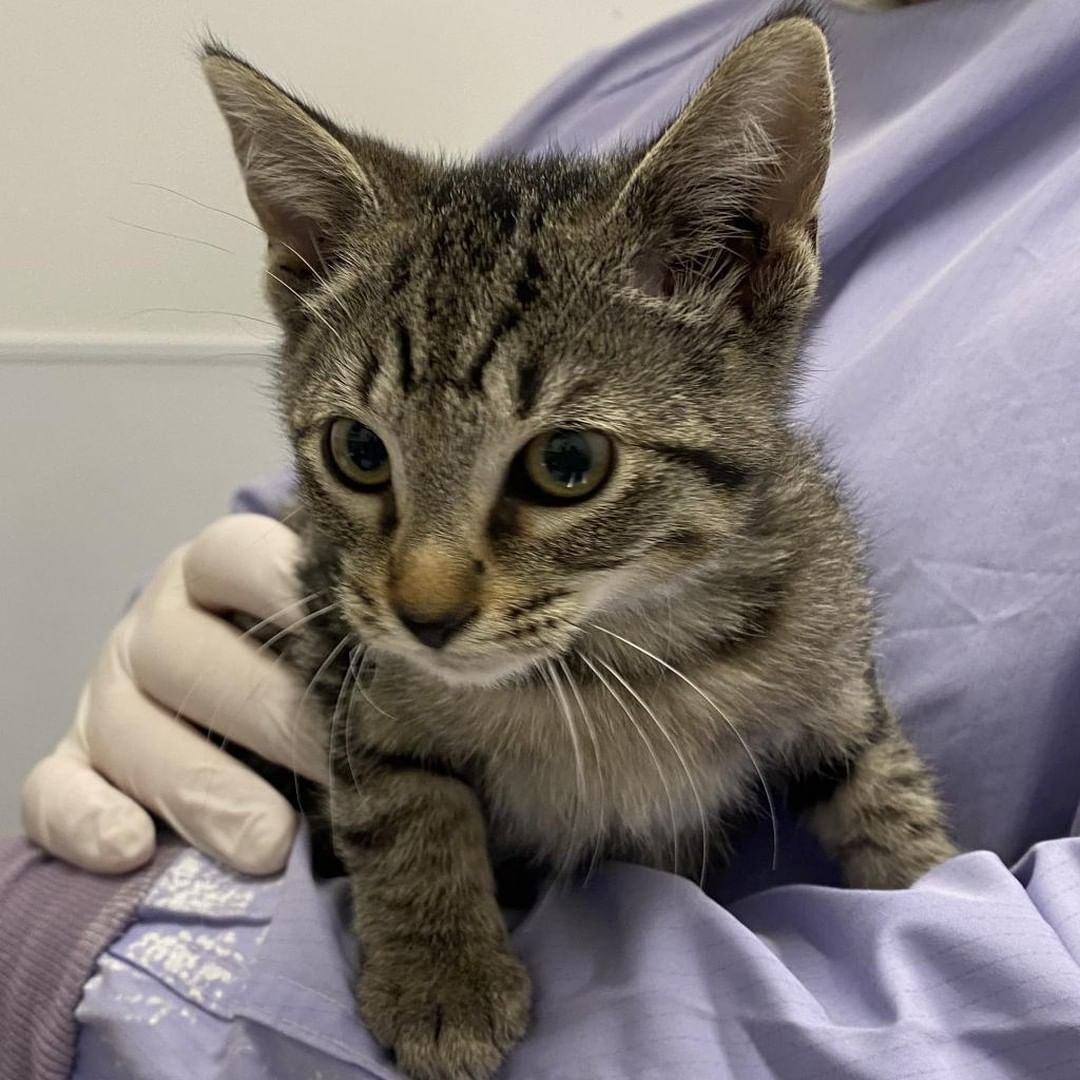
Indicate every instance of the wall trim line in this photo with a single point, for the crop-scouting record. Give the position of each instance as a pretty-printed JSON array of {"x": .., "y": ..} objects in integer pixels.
[{"x": 26, "y": 347}]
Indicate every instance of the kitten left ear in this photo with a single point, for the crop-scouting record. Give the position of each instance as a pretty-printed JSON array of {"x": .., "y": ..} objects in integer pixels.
[
  {"x": 307, "y": 189},
  {"x": 735, "y": 179}
]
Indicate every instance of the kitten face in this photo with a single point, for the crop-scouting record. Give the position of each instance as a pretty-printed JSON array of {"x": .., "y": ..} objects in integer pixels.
[
  {"x": 424, "y": 360},
  {"x": 453, "y": 331}
]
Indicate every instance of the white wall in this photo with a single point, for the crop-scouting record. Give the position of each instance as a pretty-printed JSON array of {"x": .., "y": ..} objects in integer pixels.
[{"x": 124, "y": 426}]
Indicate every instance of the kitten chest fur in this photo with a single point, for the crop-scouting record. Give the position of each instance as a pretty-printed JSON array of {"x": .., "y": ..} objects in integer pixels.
[{"x": 616, "y": 754}]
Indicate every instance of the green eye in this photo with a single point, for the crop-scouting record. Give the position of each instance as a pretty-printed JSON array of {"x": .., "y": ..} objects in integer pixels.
[
  {"x": 564, "y": 465},
  {"x": 357, "y": 455}
]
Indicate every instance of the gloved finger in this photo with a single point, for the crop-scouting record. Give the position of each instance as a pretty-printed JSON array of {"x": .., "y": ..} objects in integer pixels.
[
  {"x": 246, "y": 562},
  {"x": 208, "y": 797},
  {"x": 77, "y": 815},
  {"x": 194, "y": 664}
]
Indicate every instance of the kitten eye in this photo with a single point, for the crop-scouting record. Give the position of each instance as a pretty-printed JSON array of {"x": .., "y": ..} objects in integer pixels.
[
  {"x": 357, "y": 455},
  {"x": 563, "y": 466}
]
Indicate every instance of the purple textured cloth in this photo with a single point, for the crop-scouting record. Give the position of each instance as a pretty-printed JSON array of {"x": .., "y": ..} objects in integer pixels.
[
  {"x": 54, "y": 923},
  {"x": 943, "y": 368}
]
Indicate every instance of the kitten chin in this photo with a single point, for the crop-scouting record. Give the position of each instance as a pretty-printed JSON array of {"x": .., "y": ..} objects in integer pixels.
[{"x": 470, "y": 672}]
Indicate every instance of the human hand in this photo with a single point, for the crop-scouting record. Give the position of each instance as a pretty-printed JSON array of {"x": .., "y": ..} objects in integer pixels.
[{"x": 171, "y": 662}]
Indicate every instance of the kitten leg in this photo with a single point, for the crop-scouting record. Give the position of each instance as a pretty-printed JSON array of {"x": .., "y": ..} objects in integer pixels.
[
  {"x": 883, "y": 822},
  {"x": 439, "y": 986}
]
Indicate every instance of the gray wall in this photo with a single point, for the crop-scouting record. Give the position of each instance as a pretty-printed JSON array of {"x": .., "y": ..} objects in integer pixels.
[
  {"x": 105, "y": 467},
  {"x": 127, "y": 413}
]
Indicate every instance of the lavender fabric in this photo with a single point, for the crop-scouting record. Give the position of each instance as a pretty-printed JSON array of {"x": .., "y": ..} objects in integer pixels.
[
  {"x": 943, "y": 370},
  {"x": 972, "y": 973},
  {"x": 55, "y": 921}
]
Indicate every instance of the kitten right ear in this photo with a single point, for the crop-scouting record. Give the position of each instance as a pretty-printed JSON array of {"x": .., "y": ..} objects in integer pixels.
[
  {"x": 728, "y": 194},
  {"x": 306, "y": 187}
]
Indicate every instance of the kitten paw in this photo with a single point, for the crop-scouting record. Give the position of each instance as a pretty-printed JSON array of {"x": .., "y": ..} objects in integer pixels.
[{"x": 445, "y": 1017}]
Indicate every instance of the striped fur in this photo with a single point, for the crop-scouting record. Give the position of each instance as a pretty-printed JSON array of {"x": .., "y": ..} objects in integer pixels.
[{"x": 635, "y": 668}]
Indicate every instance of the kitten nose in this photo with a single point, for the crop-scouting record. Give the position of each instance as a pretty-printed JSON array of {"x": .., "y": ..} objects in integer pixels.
[
  {"x": 434, "y": 592},
  {"x": 434, "y": 632}
]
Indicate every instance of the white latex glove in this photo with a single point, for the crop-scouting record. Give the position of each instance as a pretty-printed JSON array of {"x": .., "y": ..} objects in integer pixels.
[{"x": 173, "y": 657}]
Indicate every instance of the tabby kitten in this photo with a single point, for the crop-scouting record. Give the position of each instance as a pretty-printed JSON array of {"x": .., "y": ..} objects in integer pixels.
[{"x": 591, "y": 589}]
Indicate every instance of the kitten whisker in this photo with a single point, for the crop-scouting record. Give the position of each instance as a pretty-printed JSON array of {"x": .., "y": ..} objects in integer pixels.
[
  {"x": 371, "y": 701},
  {"x": 195, "y": 202},
  {"x": 330, "y": 658},
  {"x": 263, "y": 623},
  {"x": 202, "y": 311},
  {"x": 349, "y": 707},
  {"x": 320, "y": 278},
  {"x": 579, "y": 766},
  {"x": 290, "y": 515},
  {"x": 178, "y": 713},
  {"x": 648, "y": 746},
  {"x": 319, "y": 256},
  {"x": 171, "y": 235},
  {"x": 682, "y": 762},
  {"x": 306, "y": 304},
  {"x": 209, "y": 724},
  {"x": 291, "y": 628},
  {"x": 723, "y": 716},
  {"x": 269, "y": 643},
  {"x": 587, "y": 723},
  {"x": 330, "y": 742}
]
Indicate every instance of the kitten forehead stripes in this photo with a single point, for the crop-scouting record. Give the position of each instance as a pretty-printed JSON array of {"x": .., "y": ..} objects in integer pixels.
[
  {"x": 526, "y": 292},
  {"x": 482, "y": 219},
  {"x": 530, "y": 377}
]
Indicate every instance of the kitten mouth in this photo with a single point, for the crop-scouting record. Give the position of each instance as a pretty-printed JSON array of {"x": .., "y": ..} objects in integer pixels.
[{"x": 482, "y": 670}]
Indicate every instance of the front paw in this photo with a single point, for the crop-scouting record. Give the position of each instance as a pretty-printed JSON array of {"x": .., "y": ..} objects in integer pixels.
[{"x": 445, "y": 1016}]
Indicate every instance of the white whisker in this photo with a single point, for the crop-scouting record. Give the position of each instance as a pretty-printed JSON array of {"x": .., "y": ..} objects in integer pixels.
[
  {"x": 306, "y": 304},
  {"x": 649, "y": 748},
  {"x": 586, "y": 721},
  {"x": 579, "y": 765},
  {"x": 269, "y": 643},
  {"x": 331, "y": 656},
  {"x": 290, "y": 515},
  {"x": 723, "y": 716},
  {"x": 349, "y": 707},
  {"x": 330, "y": 742},
  {"x": 682, "y": 761},
  {"x": 370, "y": 700},
  {"x": 293, "y": 626},
  {"x": 197, "y": 681},
  {"x": 321, "y": 279}
]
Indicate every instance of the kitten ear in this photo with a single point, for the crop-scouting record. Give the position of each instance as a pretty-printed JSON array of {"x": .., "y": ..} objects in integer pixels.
[
  {"x": 306, "y": 187},
  {"x": 734, "y": 181}
]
